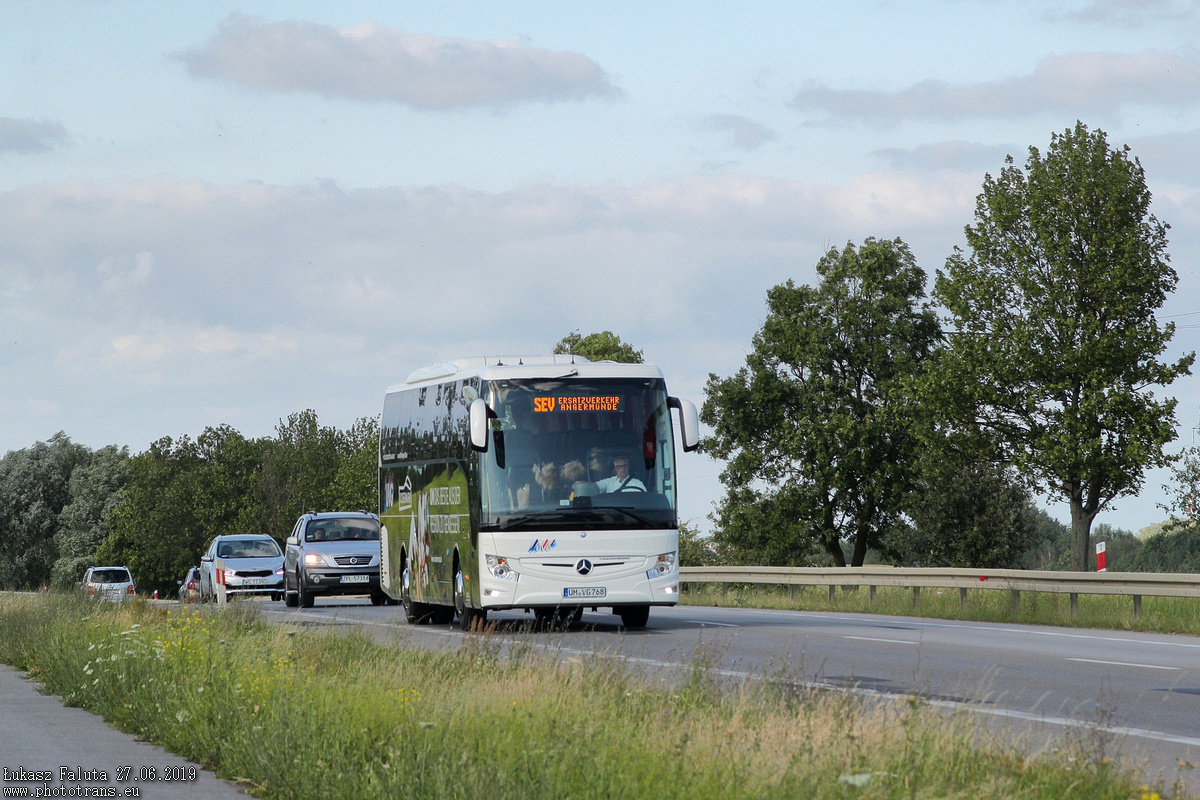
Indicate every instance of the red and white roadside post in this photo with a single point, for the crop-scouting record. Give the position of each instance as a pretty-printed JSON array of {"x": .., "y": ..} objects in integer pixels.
[
  {"x": 219, "y": 571},
  {"x": 1101, "y": 560}
]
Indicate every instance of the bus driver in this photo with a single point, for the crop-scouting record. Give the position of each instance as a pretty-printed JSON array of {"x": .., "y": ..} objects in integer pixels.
[{"x": 622, "y": 481}]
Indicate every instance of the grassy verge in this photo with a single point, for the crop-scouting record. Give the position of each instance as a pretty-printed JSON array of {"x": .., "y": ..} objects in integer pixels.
[
  {"x": 1158, "y": 614},
  {"x": 299, "y": 715}
]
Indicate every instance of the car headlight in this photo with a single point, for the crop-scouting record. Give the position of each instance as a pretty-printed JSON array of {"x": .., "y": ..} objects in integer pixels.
[
  {"x": 279, "y": 572},
  {"x": 664, "y": 564},
  {"x": 313, "y": 560},
  {"x": 499, "y": 567}
]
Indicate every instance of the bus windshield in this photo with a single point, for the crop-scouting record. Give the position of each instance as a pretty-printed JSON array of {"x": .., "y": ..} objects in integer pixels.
[{"x": 595, "y": 454}]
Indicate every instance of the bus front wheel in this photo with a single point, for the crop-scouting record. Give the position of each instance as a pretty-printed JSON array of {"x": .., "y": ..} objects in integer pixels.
[
  {"x": 468, "y": 618},
  {"x": 634, "y": 616}
]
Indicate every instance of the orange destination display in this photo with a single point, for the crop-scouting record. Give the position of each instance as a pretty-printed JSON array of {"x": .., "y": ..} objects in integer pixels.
[{"x": 548, "y": 404}]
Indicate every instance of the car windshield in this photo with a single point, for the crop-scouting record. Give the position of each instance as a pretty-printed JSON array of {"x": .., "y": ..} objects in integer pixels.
[
  {"x": 337, "y": 530},
  {"x": 110, "y": 576},
  {"x": 247, "y": 548}
]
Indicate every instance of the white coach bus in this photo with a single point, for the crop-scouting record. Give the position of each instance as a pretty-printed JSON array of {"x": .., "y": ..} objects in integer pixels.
[{"x": 543, "y": 483}]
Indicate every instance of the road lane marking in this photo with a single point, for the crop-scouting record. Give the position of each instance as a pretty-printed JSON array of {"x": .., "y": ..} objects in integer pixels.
[
  {"x": 873, "y": 639},
  {"x": 998, "y": 627},
  {"x": 955, "y": 705},
  {"x": 1121, "y": 664},
  {"x": 714, "y": 624}
]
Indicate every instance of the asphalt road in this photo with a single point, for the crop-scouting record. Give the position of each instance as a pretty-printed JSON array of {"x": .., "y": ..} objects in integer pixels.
[{"x": 1134, "y": 696}]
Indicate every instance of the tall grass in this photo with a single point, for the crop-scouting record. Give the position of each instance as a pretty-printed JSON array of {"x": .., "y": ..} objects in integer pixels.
[
  {"x": 1158, "y": 614},
  {"x": 300, "y": 715}
]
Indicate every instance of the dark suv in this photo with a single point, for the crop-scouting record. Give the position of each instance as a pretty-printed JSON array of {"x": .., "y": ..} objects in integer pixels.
[{"x": 332, "y": 553}]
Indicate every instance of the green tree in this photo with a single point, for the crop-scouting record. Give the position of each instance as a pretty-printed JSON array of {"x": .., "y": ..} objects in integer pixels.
[
  {"x": 1057, "y": 341},
  {"x": 603, "y": 346},
  {"x": 694, "y": 549},
  {"x": 35, "y": 486},
  {"x": 819, "y": 428},
  {"x": 356, "y": 484},
  {"x": 96, "y": 488},
  {"x": 1173, "y": 551},
  {"x": 966, "y": 513},
  {"x": 179, "y": 495},
  {"x": 300, "y": 469},
  {"x": 1184, "y": 491}
]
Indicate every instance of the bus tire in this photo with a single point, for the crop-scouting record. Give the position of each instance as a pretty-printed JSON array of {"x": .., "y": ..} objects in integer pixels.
[
  {"x": 414, "y": 613},
  {"x": 568, "y": 616},
  {"x": 468, "y": 618},
  {"x": 634, "y": 616}
]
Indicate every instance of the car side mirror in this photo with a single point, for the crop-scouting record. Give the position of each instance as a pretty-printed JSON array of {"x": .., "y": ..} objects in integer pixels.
[
  {"x": 207, "y": 559},
  {"x": 293, "y": 540}
]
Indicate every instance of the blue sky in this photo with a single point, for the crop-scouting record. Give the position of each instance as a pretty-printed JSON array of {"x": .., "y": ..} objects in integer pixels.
[{"x": 227, "y": 212}]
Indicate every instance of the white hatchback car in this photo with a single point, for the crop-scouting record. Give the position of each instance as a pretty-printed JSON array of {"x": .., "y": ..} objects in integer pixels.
[
  {"x": 114, "y": 584},
  {"x": 253, "y": 565}
]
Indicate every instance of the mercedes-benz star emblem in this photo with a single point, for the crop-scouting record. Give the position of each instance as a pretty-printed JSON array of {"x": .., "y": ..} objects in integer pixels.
[{"x": 583, "y": 567}]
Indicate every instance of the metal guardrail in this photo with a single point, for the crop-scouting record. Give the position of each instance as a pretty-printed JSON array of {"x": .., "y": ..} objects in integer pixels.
[{"x": 1133, "y": 584}]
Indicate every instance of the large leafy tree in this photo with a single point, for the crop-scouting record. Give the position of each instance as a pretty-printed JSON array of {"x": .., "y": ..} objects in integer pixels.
[
  {"x": 819, "y": 428},
  {"x": 179, "y": 495},
  {"x": 602, "y": 346},
  {"x": 96, "y": 488},
  {"x": 35, "y": 486},
  {"x": 1057, "y": 344},
  {"x": 313, "y": 467},
  {"x": 1184, "y": 492},
  {"x": 965, "y": 513}
]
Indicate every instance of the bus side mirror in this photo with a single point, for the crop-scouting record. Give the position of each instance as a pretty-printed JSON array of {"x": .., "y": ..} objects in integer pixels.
[
  {"x": 479, "y": 425},
  {"x": 689, "y": 423}
]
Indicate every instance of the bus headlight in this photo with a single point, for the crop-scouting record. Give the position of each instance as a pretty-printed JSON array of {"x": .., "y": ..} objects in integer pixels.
[
  {"x": 499, "y": 568},
  {"x": 663, "y": 565}
]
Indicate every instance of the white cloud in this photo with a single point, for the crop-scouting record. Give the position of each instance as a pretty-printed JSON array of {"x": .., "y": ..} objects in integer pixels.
[
  {"x": 259, "y": 300},
  {"x": 1126, "y": 13},
  {"x": 136, "y": 349},
  {"x": 958, "y": 156},
  {"x": 122, "y": 273},
  {"x": 29, "y": 135},
  {"x": 373, "y": 62},
  {"x": 1079, "y": 84},
  {"x": 744, "y": 133}
]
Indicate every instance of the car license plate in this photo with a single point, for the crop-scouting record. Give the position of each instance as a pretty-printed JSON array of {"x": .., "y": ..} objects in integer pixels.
[
  {"x": 574, "y": 592},
  {"x": 356, "y": 578},
  {"x": 254, "y": 581}
]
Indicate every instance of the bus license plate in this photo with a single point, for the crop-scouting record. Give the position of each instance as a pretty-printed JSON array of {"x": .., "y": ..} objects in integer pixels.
[
  {"x": 589, "y": 592},
  {"x": 355, "y": 578}
]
